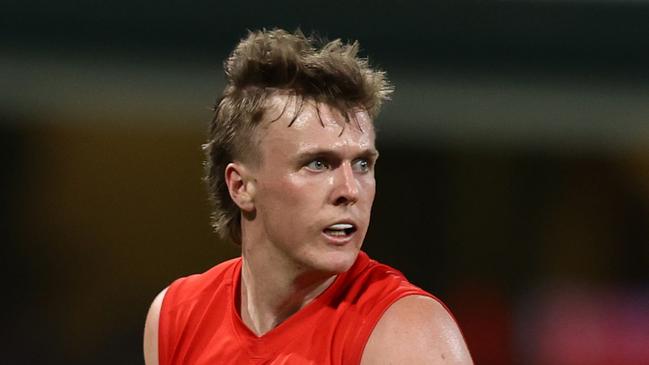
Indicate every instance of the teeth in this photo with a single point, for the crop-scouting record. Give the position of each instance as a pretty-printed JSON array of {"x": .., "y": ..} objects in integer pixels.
[
  {"x": 340, "y": 226},
  {"x": 337, "y": 233}
]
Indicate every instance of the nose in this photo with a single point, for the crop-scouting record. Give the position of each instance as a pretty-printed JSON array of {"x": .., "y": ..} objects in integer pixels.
[{"x": 346, "y": 189}]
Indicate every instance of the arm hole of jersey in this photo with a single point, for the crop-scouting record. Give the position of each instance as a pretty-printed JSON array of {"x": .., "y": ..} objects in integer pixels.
[
  {"x": 163, "y": 328},
  {"x": 375, "y": 316}
]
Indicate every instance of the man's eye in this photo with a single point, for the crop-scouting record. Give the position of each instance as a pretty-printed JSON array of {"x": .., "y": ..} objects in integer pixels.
[
  {"x": 317, "y": 165},
  {"x": 361, "y": 165}
]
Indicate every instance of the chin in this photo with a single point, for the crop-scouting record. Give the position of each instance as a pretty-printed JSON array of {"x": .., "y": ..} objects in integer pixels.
[{"x": 338, "y": 262}]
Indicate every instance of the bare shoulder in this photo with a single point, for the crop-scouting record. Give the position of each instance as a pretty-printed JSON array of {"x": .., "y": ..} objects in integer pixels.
[
  {"x": 151, "y": 330},
  {"x": 416, "y": 330}
]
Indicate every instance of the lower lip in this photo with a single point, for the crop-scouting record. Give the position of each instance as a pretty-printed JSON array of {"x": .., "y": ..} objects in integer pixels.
[{"x": 338, "y": 240}]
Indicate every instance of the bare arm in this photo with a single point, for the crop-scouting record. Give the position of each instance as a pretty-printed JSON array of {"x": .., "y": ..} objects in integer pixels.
[
  {"x": 416, "y": 330},
  {"x": 151, "y": 330}
]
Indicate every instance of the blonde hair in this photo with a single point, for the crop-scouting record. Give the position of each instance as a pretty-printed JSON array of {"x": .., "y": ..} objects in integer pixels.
[{"x": 267, "y": 62}]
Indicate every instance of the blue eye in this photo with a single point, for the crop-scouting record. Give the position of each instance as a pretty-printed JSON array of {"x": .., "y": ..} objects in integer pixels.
[
  {"x": 317, "y": 165},
  {"x": 361, "y": 165}
]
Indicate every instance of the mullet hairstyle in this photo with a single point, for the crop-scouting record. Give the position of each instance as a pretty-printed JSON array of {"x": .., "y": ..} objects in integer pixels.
[{"x": 271, "y": 62}]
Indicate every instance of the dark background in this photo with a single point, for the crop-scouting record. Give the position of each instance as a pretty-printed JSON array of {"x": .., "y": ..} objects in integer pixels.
[{"x": 513, "y": 181}]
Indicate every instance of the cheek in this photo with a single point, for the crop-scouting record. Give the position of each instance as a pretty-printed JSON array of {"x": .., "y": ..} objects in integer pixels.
[
  {"x": 369, "y": 188},
  {"x": 281, "y": 193}
]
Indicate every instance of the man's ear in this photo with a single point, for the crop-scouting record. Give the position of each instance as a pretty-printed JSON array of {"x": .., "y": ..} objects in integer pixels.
[{"x": 241, "y": 186}]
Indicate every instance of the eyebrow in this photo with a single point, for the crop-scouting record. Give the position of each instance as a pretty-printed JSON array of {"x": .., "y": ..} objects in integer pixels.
[{"x": 308, "y": 154}]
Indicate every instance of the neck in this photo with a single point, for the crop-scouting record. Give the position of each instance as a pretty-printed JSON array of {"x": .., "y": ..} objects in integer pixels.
[{"x": 270, "y": 295}]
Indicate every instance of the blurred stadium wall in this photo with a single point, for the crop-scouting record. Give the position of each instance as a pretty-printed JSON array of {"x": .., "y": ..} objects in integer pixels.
[{"x": 513, "y": 181}]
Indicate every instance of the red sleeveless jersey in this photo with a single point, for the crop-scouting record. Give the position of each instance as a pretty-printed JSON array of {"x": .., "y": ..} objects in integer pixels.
[{"x": 200, "y": 323}]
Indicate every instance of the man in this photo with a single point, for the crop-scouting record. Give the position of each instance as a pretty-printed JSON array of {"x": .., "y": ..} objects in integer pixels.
[{"x": 290, "y": 169}]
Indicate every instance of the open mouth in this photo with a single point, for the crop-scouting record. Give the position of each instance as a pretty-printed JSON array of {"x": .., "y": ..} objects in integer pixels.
[{"x": 340, "y": 230}]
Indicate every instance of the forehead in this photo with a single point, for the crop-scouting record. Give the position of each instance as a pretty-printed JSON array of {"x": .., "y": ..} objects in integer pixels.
[{"x": 294, "y": 121}]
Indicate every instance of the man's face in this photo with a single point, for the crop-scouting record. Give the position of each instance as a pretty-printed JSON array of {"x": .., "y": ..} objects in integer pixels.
[{"x": 314, "y": 186}]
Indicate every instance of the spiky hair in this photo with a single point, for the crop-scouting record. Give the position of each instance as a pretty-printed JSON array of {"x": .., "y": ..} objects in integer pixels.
[{"x": 263, "y": 64}]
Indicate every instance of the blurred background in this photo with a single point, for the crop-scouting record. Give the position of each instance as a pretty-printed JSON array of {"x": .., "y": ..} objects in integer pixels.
[{"x": 513, "y": 181}]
